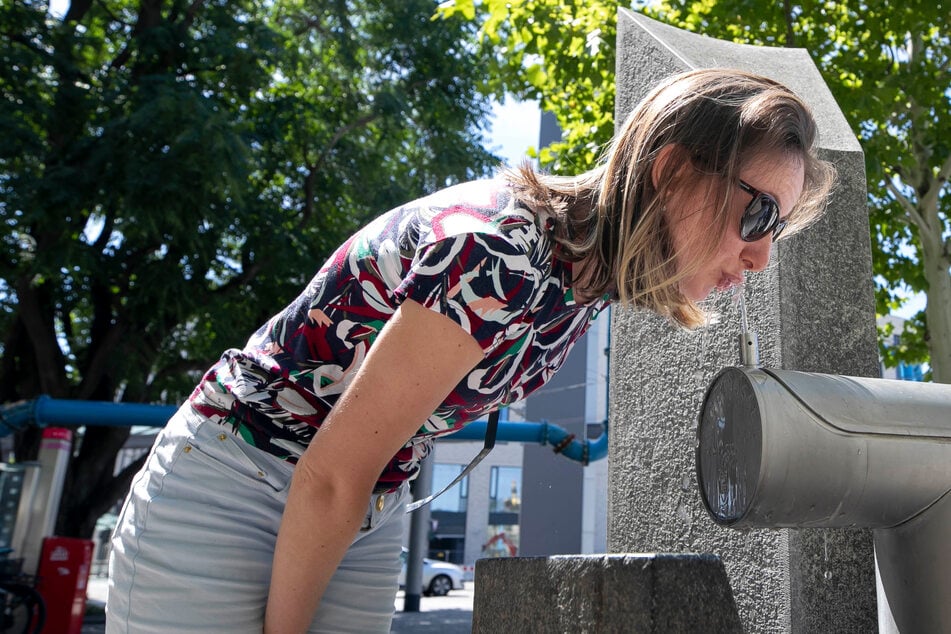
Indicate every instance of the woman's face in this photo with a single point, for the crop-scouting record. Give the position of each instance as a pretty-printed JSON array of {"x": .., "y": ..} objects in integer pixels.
[{"x": 692, "y": 224}]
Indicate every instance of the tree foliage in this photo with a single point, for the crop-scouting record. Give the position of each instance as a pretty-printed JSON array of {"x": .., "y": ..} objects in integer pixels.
[
  {"x": 558, "y": 53},
  {"x": 171, "y": 171},
  {"x": 887, "y": 65}
]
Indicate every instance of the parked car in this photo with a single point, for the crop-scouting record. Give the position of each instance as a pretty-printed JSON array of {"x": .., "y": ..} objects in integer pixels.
[{"x": 439, "y": 577}]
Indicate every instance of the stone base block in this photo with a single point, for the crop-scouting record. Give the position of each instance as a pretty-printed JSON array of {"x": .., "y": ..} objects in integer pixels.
[{"x": 637, "y": 593}]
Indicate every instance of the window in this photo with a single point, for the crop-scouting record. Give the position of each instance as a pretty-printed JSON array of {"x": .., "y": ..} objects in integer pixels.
[
  {"x": 455, "y": 499},
  {"x": 447, "y": 531},
  {"x": 505, "y": 504},
  {"x": 505, "y": 485}
]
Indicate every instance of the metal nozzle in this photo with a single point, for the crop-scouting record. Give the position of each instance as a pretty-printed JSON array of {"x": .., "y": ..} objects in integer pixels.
[{"x": 749, "y": 349}]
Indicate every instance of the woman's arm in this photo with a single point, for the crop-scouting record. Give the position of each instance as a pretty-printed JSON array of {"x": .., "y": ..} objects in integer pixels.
[{"x": 417, "y": 359}]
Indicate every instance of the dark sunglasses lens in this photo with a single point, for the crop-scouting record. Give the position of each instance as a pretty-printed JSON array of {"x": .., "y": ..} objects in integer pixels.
[{"x": 759, "y": 219}]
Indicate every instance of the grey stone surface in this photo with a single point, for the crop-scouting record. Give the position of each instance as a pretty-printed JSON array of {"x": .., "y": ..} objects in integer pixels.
[
  {"x": 643, "y": 593},
  {"x": 649, "y": 51},
  {"x": 813, "y": 310}
]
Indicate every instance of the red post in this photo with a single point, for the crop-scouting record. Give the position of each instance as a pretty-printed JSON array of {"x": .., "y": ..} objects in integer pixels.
[{"x": 61, "y": 579}]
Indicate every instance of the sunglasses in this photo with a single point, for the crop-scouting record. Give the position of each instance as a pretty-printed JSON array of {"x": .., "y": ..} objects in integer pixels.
[{"x": 761, "y": 216}]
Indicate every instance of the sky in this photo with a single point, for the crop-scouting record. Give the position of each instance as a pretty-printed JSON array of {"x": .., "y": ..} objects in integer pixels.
[{"x": 515, "y": 128}]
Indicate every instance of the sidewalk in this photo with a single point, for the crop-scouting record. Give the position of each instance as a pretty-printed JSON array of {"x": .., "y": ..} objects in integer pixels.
[{"x": 451, "y": 614}]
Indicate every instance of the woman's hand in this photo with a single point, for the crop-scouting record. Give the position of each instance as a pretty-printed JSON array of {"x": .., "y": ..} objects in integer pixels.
[{"x": 417, "y": 359}]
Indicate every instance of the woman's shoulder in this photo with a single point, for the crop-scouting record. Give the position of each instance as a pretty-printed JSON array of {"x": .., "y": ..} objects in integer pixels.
[{"x": 486, "y": 208}]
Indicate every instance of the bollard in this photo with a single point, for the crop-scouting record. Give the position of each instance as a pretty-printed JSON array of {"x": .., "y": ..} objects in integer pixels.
[{"x": 644, "y": 593}]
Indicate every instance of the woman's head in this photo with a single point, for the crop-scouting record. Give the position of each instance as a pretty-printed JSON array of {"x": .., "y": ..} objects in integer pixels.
[
  {"x": 673, "y": 187},
  {"x": 670, "y": 195},
  {"x": 712, "y": 255}
]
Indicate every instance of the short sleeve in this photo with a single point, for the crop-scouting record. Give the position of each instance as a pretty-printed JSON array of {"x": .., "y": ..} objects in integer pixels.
[{"x": 483, "y": 282}]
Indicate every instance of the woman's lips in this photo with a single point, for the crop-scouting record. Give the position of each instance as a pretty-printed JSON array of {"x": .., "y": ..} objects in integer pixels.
[{"x": 728, "y": 281}]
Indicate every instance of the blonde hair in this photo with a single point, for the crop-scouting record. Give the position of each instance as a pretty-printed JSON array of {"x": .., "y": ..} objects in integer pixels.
[{"x": 612, "y": 217}]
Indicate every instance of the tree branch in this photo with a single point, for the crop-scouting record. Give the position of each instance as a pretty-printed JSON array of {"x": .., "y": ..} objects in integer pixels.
[
  {"x": 101, "y": 358},
  {"x": 930, "y": 199},
  {"x": 179, "y": 368},
  {"x": 192, "y": 12},
  {"x": 49, "y": 357},
  {"x": 150, "y": 14},
  {"x": 248, "y": 273},
  {"x": 112, "y": 16},
  {"x": 790, "y": 33},
  {"x": 339, "y": 134},
  {"x": 19, "y": 38},
  {"x": 316, "y": 165},
  {"x": 913, "y": 214},
  {"x": 311, "y": 24}
]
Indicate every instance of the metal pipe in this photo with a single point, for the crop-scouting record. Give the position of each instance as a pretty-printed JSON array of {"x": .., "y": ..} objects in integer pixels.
[
  {"x": 795, "y": 449},
  {"x": 49, "y": 412},
  {"x": 45, "y": 411},
  {"x": 583, "y": 450},
  {"x": 419, "y": 528}
]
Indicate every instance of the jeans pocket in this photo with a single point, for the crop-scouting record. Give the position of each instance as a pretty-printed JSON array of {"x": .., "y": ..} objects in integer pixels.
[{"x": 226, "y": 453}]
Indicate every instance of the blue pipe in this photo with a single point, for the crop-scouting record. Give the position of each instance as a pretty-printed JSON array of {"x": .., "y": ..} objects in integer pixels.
[
  {"x": 45, "y": 411},
  {"x": 584, "y": 450}
]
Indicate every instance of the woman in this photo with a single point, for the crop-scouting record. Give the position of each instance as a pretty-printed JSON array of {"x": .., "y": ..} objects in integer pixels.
[{"x": 431, "y": 316}]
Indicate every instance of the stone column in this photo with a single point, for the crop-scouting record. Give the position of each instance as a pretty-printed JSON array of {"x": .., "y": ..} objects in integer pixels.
[
  {"x": 602, "y": 594},
  {"x": 813, "y": 309}
]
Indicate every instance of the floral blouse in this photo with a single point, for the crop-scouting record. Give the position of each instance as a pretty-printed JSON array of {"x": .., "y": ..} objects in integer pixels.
[{"x": 471, "y": 252}]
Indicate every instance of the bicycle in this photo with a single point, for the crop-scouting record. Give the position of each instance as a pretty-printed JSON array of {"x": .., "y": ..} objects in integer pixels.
[{"x": 22, "y": 609}]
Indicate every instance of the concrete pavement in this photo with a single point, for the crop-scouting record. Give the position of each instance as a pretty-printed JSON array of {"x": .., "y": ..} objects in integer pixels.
[{"x": 451, "y": 614}]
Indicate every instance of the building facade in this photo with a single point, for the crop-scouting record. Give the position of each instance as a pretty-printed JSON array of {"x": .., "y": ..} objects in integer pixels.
[
  {"x": 525, "y": 499},
  {"x": 903, "y": 371}
]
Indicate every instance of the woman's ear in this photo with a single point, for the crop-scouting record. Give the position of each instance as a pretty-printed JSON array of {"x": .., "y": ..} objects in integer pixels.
[{"x": 666, "y": 164}]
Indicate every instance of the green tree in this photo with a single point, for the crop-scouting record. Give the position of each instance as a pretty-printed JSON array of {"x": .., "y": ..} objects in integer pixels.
[
  {"x": 558, "y": 53},
  {"x": 171, "y": 170},
  {"x": 887, "y": 65}
]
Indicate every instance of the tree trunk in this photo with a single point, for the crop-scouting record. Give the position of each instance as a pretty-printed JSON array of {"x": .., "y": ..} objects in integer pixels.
[
  {"x": 935, "y": 264},
  {"x": 90, "y": 488},
  {"x": 938, "y": 311}
]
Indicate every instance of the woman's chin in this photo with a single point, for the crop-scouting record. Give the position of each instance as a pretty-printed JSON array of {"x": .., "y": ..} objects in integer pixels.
[{"x": 697, "y": 294}]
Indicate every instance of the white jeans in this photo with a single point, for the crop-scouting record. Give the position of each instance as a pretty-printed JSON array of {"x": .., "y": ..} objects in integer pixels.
[{"x": 194, "y": 543}]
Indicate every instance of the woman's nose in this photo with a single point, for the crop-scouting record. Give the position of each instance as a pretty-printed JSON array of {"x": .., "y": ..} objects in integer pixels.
[{"x": 755, "y": 255}]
